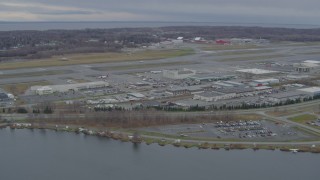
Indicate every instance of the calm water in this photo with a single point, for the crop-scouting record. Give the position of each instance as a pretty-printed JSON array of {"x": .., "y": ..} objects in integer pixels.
[
  {"x": 9, "y": 26},
  {"x": 48, "y": 155}
]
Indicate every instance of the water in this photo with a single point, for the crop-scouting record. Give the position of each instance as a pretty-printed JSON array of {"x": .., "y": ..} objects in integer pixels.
[
  {"x": 9, "y": 26},
  {"x": 49, "y": 155}
]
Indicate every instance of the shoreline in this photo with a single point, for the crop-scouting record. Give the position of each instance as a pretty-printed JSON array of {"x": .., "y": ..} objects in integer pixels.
[{"x": 137, "y": 139}]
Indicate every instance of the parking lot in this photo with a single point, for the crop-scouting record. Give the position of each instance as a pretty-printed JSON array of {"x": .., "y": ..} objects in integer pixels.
[{"x": 240, "y": 130}]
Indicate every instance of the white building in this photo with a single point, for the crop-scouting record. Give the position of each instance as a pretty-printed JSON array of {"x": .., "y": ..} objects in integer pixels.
[
  {"x": 136, "y": 95},
  {"x": 42, "y": 90},
  {"x": 249, "y": 73},
  {"x": 283, "y": 97},
  {"x": 307, "y": 66},
  {"x": 213, "y": 96},
  {"x": 178, "y": 74},
  {"x": 45, "y": 90},
  {"x": 311, "y": 91},
  {"x": 264, "y": 82}
]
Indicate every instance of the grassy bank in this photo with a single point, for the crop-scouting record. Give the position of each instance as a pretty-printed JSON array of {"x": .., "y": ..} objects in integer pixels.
[
  {"x": 125, "y": 137},
  {"x": 97, "y": 58}
]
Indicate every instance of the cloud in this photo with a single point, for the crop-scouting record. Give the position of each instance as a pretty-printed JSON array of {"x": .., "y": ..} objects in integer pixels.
[
  {"x": 38, "y": 8},
  {"x": 290, "y": 11}
]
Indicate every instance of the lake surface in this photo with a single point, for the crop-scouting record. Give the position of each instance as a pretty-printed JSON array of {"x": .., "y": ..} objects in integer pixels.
[
  {"x": 49, "y": 155},
  {"x": 10, "y": 26}
]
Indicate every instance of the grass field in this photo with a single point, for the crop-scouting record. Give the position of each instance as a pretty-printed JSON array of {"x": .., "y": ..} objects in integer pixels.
[
  {"x": 33, "y": 74},
  {"x": 97, "y": 58},
  {"x": 215, "y": 47},
  {"x": 303, "y": 118},
  {"x": 254, "y": 58},
  {"x": 20, "y": 88},
  {"x": 288, "y": 43},
  {"x": 244, "y": 52},
  {"x": 311, "y": 53}
]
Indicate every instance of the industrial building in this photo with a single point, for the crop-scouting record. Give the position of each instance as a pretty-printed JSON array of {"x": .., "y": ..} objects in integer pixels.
[
  {"x": 250, "y": 73},
  {"x": 140, "y": 86},
  {"x": 228, "y": 84},
  {"x": 213, "y": 96},
  {"x": 43, "y": 90},
  {"x": 283, "y": 97},
  {"x": 176, "y": 91},
  {"x": 307, "y": 66},
  {"x": 136, "y": 95},
  {"x": 311, "y": 91},
  {"x": 264, "y": 82},
  {"x": 211, "y": 77},
  {"x": 236, "y": 90},
  {"x": 178, "y": 74}
]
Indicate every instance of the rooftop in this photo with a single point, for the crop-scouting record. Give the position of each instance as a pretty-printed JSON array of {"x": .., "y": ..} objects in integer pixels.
[
  {"x": 256, "y": 71},
  {"x": 311, "y": 89},
  {"x": 286, "y": 94},
  {"x": 137, "y": 95},
  {"x": 3, "y": 96},
  {"x": 312, "y": 61},
  {"x": 260, "y": 88},
  {"x": 210, "y": 94},
  {"x": 234, "y": 90}
]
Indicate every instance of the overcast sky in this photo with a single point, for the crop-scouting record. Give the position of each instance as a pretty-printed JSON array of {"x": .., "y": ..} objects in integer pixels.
[{"x": 238, "y": 11}]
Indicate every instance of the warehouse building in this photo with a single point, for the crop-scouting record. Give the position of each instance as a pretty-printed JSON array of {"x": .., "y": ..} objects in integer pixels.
[
  {"x": 306, "y": 67},
  {"x": 311, "y": 91},
  {"x": 283, "y": 97},
  {"x": 264, "y": 82},
  {"x": 211, "y": 77},
  {"x": 177, "y": 91},
  {"x": 44, "y": 90},
  {"x": 213, "y": 96},
  {"x": 136, "y": 95},
  {"x": 178, "y": 74},
  {"x": 251, "y": 73}
]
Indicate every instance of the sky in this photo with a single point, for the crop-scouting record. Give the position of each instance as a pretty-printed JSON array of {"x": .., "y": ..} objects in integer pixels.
[{"x": 229, "y": 11}]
